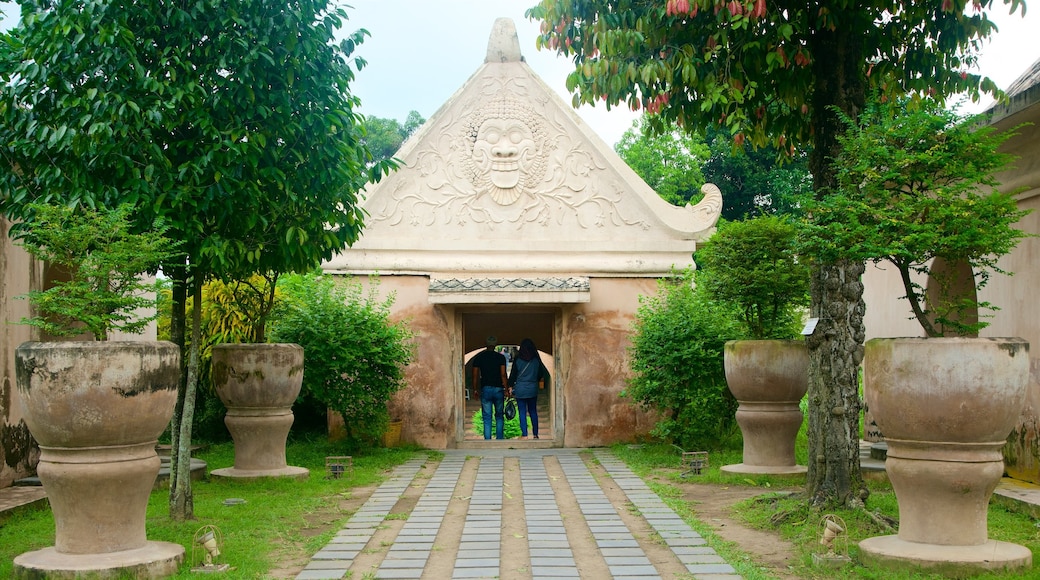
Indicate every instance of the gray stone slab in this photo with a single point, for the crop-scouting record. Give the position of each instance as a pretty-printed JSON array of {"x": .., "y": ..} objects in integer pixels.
[
  {"x": 408, "y": 555},
  {"x": 479, "y": 545},
  {"x": 482, "y": 562},
  {"x": 394, "y": 573},
  {"x": 701, "y": 559},
  {"x": 618, "y": 543},
  {"x": 699, "y": 569},
  {"x": 334, "y": 555},
  {"x": 622, "y": 552},
  {"x": 328, "y": 565},
  {"x": 686, "y": 541},
  {"x": 555, "y": 552},
  {"x": 320, "y": 574},
  {"x": 680, "y": 550},
  {"x": 628, "y": 571},
  {"x": 554, "y": 572},
  {"x": 627, "y": 560},
  {"x": 397, "y": 564},
  {"x": 474, "y": 573}
]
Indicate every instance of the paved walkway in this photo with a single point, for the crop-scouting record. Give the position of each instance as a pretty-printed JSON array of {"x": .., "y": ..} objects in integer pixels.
[{"x": 535, "y": 531}]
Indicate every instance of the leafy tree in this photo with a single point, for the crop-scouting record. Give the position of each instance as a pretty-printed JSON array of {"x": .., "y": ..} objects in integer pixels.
[
  {"x": 752, "y": 266},
  {"x": 916, "y": 184},
  {"x": 677, "y": 363},
  {"x": 232, "y": 121},
  {"x": 778, "y": 73},
  {"x": 667, "y": 162},
  {"x": 103, "y": 261},
  {"x": 356, "y": 355},
  {"x": 384, "y": 137},
  {"x": 755, "y": 181}
]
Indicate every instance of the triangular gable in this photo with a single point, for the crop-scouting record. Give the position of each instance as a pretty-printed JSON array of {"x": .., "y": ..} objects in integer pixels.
[{"x": 506, "y": 177}]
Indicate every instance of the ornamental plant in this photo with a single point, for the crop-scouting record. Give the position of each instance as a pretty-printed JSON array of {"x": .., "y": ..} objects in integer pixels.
[
  {"x": 676, "y": 363},
  {"x": 752, "y": 266},
  {"x": 916, "y": 184},
  {"x": 100, "y": 263},
  {"x": 356, "y": 355}
]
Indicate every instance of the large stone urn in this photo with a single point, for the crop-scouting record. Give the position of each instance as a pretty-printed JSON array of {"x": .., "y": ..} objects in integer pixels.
[
  {"x": 97, "y": 410},
  {"x": 945, "y": 406},
  {"x": 258, "y": 383},
  {"x": 768, "y": 378}
]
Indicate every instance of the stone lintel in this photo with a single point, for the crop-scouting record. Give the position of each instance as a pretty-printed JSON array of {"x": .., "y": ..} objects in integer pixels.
[{"x": 549, "y": 290}]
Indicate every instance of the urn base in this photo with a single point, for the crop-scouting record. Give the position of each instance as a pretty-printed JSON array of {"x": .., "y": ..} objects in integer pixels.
[
  {"x": 153, "y": 560},
  {"x": 893, "y": 553}
]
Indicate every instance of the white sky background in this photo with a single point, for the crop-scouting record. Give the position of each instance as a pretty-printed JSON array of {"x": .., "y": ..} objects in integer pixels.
[{"x": 421, "y": 51}]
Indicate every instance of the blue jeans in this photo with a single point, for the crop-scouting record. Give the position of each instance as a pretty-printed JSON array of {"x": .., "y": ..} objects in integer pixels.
[
  {"x": 528, "y": 407},
  {"x": 493, "y": 397}
]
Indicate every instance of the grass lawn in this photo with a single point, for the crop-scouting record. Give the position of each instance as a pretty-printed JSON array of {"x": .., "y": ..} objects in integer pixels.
[
  {"x": 271, "y": 525},
  {"x": 790, "y": 515}
]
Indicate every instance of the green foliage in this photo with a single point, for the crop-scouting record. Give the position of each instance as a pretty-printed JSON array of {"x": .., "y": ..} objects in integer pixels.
[
  {"x": 752, "y": 266},
  {"x": 677, "y": 363},
  {"x": 385, "y": 136},
  {"x": 103, "y": 261},
  {"x": 758, "y": 68},
  {"x": 238, "y": 310},
  {"x": 355, "y": 354},
  {"x": 775, "y": 73},
  {"x": 235, "y": 123},
  {"x": 667, "y": 162},
  {"x": 915, "y": 183},
  {"x": 510, "y": 427},
  {"x": 755, "y": 181}
]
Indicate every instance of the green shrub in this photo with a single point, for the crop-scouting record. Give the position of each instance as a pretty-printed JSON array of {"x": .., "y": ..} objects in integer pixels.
[
  {"x": 354, "y": 354},
  {"x": 752, "y": 266},
  {"x": 677, "y": 363}
]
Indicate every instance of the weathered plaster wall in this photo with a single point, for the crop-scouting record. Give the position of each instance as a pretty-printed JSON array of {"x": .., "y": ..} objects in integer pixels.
[
  {"x": 18, "y": 451},
  {"x": 427, "y": 405},
  {"x": 1020, "y": 316},
  {"x": 596, "y": 340}
]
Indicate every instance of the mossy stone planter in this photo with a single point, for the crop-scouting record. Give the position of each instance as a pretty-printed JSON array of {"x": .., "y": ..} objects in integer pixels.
[
  {"x": 97, "y": 410},
  {"x": 768, "y": 378},
  {"x": 258, "y": 383},
  {"x": 946, "y": 407}
]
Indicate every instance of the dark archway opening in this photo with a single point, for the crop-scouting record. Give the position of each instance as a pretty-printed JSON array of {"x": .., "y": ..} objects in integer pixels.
[{"x": 510, "y": 328}]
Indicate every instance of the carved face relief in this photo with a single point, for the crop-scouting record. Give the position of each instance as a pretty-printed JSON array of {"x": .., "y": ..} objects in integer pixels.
[
  {"x": 504, "y": 148},
  {"x": 507, "y": 147}
]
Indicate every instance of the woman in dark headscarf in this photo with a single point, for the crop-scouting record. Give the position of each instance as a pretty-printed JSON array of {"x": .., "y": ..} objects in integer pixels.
[{"x": 523, "y": 378}]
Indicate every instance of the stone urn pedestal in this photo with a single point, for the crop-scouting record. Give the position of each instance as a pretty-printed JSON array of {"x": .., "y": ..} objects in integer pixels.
[
  {"x": 768, "y": 379},
  {"x": 258, "y": 383},
  {"x": 946, "y": 407},
  {"x": 97, "y": 410}
]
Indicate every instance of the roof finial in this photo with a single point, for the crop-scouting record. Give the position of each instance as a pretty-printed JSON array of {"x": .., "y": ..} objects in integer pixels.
[{"x": 503, "y": 46}]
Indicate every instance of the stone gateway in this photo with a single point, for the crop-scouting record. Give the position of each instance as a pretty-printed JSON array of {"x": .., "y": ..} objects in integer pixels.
[{"x": 510, "y": 217}]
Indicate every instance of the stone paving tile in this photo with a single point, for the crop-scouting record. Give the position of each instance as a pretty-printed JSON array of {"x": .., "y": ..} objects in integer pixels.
[
  {"x": 551, "y": 556},
  {"x": 334, "y": 561},
  {"x": 675, "y": 532}
]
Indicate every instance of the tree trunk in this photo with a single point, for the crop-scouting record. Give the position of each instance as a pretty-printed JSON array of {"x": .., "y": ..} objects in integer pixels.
[
  {"x": 181, "y": 501},
  {"x": 835, "y": 352},
  {"x": 836, "y": 346},
  {"x": 177, "y": 320},
  {"x": 182, "y": 505}
]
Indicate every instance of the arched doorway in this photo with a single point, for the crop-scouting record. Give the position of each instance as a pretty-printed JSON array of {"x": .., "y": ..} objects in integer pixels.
[{"x": 510, "y": 325}]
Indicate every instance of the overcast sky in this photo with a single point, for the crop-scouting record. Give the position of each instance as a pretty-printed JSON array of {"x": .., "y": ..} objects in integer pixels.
[{"x": 422, "y": 51}]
